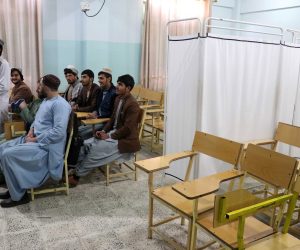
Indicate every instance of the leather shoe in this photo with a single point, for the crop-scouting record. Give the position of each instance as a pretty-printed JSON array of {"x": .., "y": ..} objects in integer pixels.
[
  {"x": 73, "y": 182},
  {"x": 4, "y": 195},
  {"x": 10, "y": 203}
]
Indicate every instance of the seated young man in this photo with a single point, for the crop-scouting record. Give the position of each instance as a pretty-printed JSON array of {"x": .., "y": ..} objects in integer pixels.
[
  {"x": 105, "y": 102},
  {"x": 87, "y": 98},
  {"x": 20, "y": 91},
  {"x": 119, "y": 137},
  {"x": 107, "y": 95},
  {"x": 28, "y": 161},
  {"x": 74, "y": 85}
]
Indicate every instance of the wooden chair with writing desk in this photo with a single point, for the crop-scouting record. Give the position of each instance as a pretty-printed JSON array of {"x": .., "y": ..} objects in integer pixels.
[
  {"x": 219, "y": 148},
  {"x": 231, "y": 222},
  {"x": 287, "y": 134}
]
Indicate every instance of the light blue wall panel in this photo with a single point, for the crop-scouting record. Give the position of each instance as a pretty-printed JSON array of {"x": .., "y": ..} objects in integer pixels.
[
  {"x": 122, "y": 58},
  {"x": 111, "y": 39}
]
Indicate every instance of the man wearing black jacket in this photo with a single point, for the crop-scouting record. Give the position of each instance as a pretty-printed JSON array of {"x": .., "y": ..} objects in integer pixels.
[
  {"x": 105, "y": 102},
  {"x": 107, "y": 95}
]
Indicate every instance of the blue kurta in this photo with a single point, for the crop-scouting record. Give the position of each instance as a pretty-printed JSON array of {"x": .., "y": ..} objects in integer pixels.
[{"x": 28, "y": 165}]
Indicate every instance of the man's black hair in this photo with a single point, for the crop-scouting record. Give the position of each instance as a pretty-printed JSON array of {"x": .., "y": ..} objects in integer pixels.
[
  {"x": 127, "y": 80},
  {"x": 19, "y": 71},
  {"x": 88, "y": 72}
]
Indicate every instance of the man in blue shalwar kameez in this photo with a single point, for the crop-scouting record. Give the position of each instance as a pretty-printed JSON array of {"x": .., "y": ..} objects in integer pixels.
[{"x": 27, "y": 162}]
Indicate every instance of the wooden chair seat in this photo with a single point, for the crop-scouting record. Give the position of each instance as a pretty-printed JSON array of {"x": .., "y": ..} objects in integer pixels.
[
  {"x": 172, "y": 198},
  {"x": 277, "y": 242},
  {"x": 254, "y": 229}
]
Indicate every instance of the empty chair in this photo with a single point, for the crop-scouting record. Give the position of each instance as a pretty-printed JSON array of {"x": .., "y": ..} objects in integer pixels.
[
  {"x": 219, "y": 148},
  {"x": 231, "y": 223}
]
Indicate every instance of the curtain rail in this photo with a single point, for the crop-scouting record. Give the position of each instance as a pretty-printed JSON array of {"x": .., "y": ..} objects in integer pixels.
[
  {"x": 294, "y": 35},
  {"x": 208, "y": 25},
  {"x": 184, "y": 20}
]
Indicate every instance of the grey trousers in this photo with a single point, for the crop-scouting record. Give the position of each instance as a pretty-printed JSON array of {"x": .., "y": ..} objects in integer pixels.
[
  {"x": 96, "y": 153},
  {"x": 86, "y": 131}
]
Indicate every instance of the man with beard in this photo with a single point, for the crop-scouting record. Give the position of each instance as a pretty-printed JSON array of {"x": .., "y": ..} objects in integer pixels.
[
  {"x": 20, "y": 90},
  {"x": 74, "y": 88},
  {"x": 28, "y": 161},
  {"x": 29, "y": 111}
]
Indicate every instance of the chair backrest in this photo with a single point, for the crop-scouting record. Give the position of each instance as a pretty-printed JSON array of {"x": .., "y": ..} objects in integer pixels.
[
  {"x": 151, "y": 95},
  {"x": 270, "y": 166},
  {"x": 136, "y": 90},
  {"x": 217, "y": 147},
  {"x": 288, "y": 134}
]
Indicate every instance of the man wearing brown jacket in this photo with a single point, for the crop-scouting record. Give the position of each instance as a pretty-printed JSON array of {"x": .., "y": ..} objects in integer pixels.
[
  {"x": 119, "y": 138},
  {"x": 87, "y": 98},
  {"x": 20, "y": 91}
]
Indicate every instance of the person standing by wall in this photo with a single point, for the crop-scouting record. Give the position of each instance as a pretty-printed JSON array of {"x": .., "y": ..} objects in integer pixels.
[{"x": 4, "y": 85}]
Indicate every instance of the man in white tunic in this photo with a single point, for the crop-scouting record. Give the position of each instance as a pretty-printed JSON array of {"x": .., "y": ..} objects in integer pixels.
[
  {"x": 4, "y": 85},
  {"x": 27, "y": 162}
]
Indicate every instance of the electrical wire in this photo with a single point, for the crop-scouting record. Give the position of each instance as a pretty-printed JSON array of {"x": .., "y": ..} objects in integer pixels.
[{"x": 97, "y": 11}]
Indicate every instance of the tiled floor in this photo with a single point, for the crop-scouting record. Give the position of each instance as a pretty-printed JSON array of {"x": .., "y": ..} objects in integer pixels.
[{"x": 93, "y": 216}]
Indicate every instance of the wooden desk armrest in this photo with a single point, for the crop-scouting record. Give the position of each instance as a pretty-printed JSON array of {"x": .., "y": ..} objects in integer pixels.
[
  {"x": 146, "y": 106},
  {"x": 163, "y": 162},
  {"x": 19, "y": 133},
  {"x": 206, "y": 185},
  {"x": 259, "y": 142},
  {"x": 95, "y": 121},
  {"x": 82, "y": 114}
]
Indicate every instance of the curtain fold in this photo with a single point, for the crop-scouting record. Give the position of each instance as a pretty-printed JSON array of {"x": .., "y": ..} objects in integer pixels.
[
  {"x": 20, "y": 28},
  {"x": 239, "y": 90},
  {"x": 157, "y": 14}
]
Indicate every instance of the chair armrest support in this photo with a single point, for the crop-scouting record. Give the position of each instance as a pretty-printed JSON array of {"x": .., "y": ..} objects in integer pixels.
[
  {"x": 146, "y": 106},
  {"x": 163, "y": 162},
  {"x": 252, "y": 209},
  {"x": 151, "y": 111}
]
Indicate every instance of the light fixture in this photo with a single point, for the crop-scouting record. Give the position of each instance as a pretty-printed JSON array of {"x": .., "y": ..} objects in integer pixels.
[{"x": 85, "y": 7}]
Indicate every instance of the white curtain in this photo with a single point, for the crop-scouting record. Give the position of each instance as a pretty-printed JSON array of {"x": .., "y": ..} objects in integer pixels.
[
  {"x": 157, "y": 15},
  {"x": 240, "y": 91},
  {"x": 181, "y": 96},
  {"x": 20, "y": 28}
]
